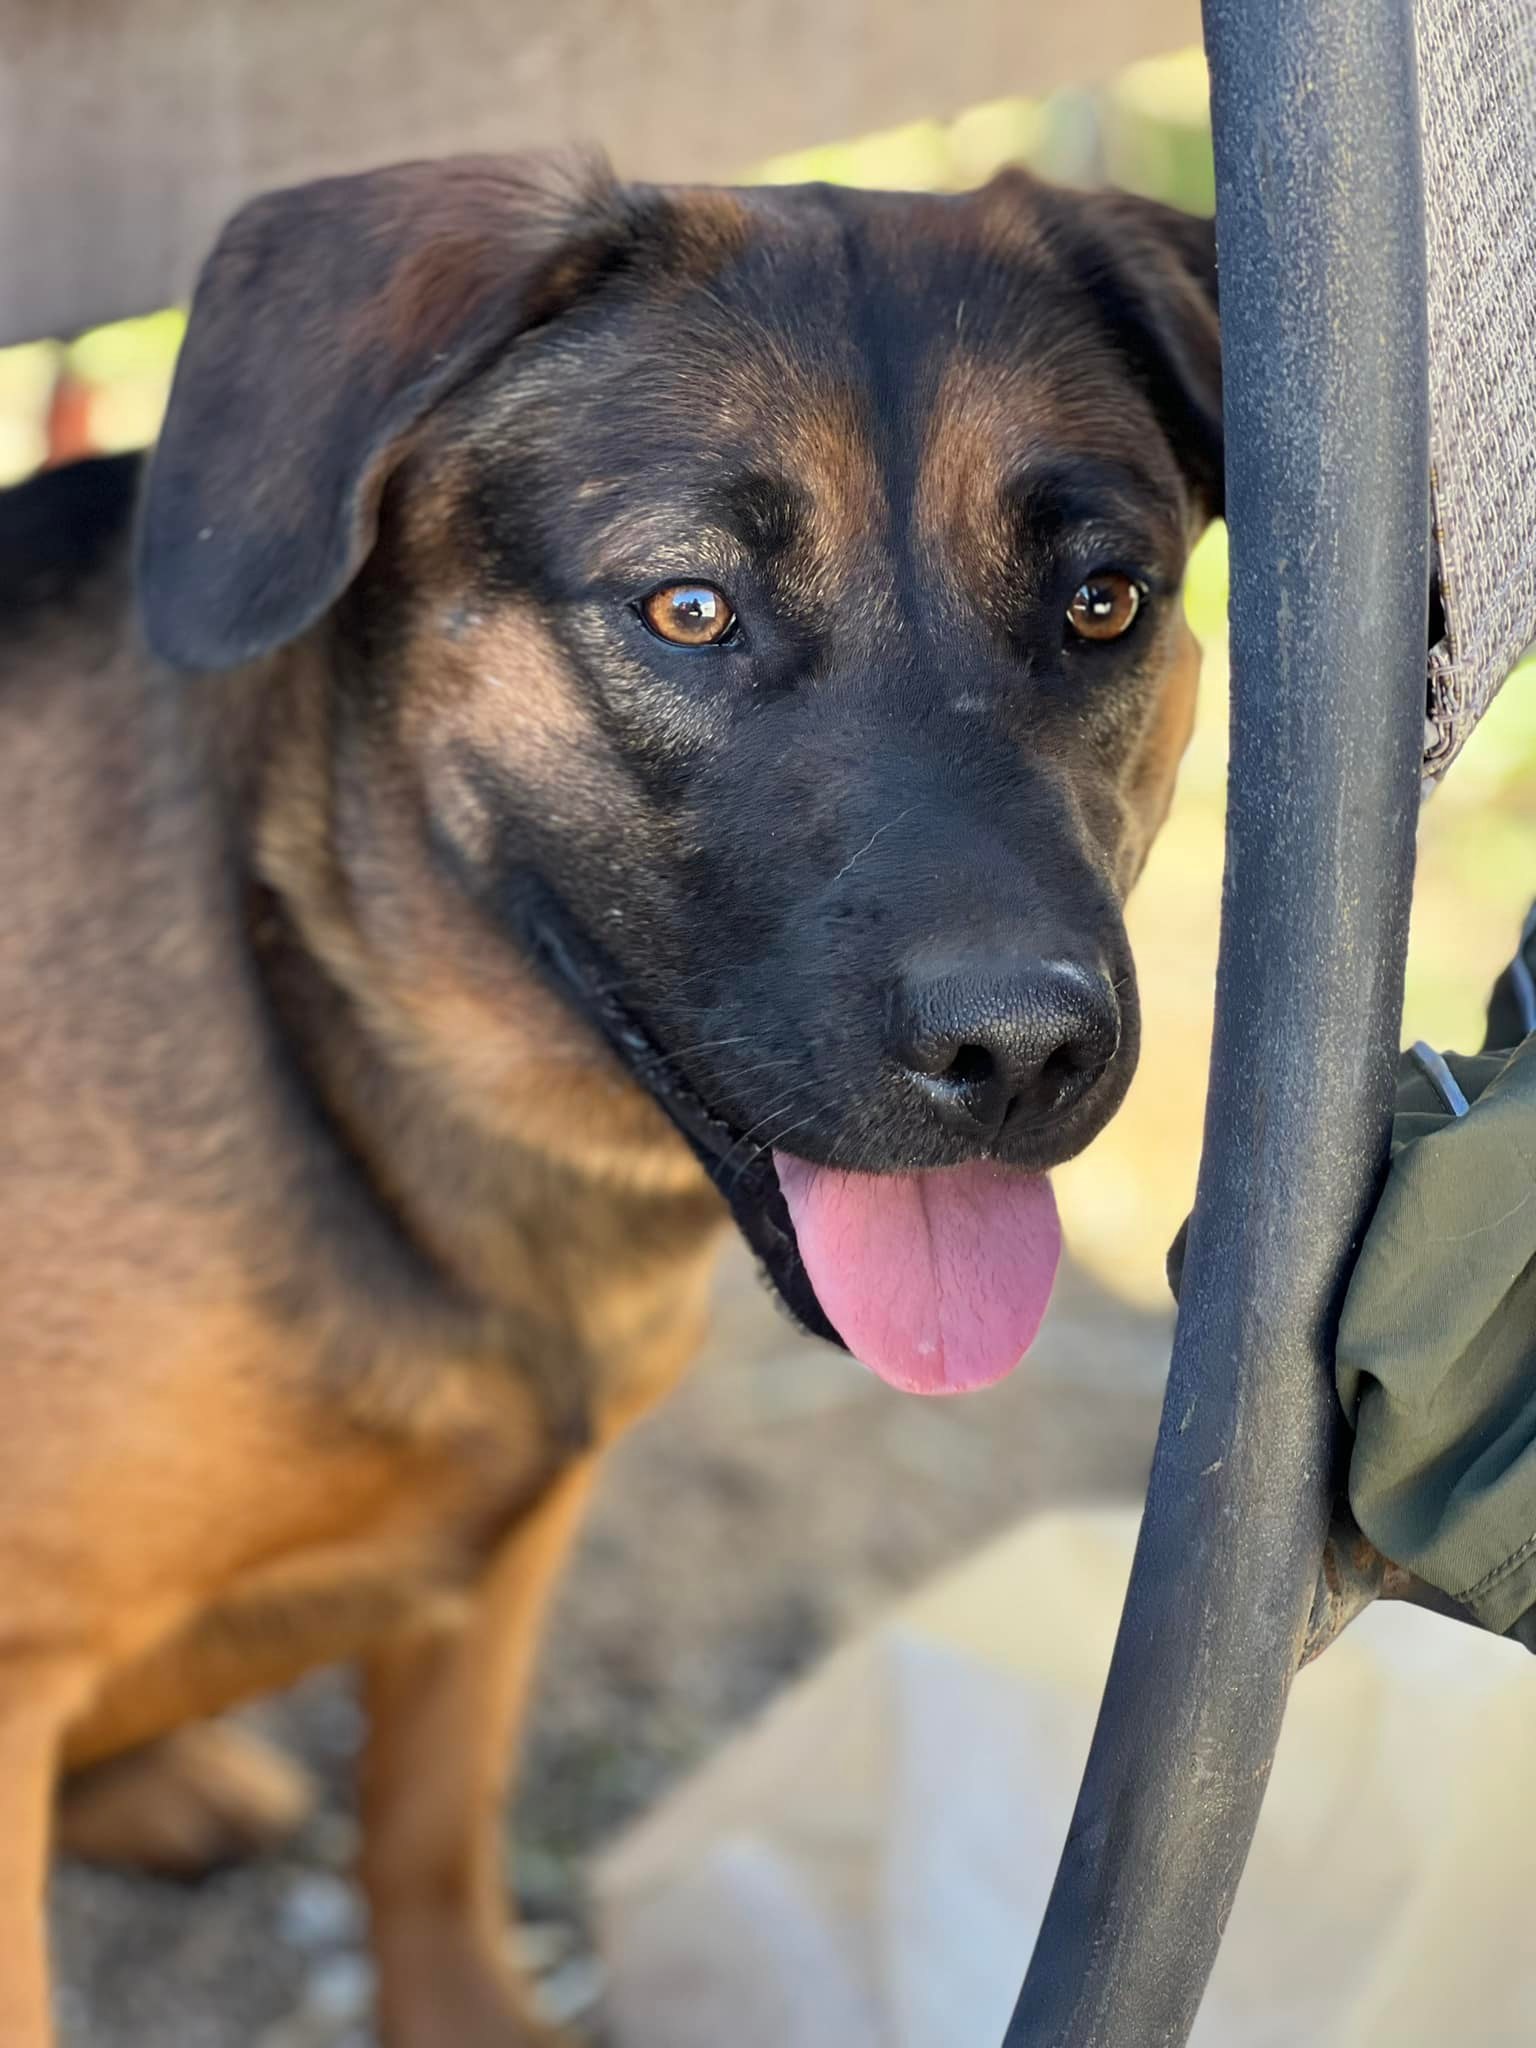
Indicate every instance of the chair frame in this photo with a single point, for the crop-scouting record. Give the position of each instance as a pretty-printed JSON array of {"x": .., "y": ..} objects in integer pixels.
[{"x": 1322, "y": 279}]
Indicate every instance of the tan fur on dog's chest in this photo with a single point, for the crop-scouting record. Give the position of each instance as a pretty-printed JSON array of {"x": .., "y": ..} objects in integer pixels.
[
  {"x": 293, "y": 1536},
  {"x": 308, "y": 1559}
]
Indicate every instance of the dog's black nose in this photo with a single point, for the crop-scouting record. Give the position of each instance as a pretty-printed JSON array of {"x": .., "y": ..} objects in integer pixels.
[{"x": 1032, "y": 1036}]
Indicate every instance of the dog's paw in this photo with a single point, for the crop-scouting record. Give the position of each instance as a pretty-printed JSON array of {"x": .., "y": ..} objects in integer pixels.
[
  {"x": 446, "y": 1983},
  {"x": 462, "y": 2012},
  {"x": 200, "y": 1798}
]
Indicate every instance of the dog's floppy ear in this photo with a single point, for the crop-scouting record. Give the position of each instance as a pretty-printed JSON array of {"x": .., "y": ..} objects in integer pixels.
[
  {"x": 327, "y": 321},
  {"x": 1152, "y": 271}
]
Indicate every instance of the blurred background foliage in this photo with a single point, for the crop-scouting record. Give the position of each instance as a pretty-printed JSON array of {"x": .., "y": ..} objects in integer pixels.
[{"x": 1149, "y": 132}]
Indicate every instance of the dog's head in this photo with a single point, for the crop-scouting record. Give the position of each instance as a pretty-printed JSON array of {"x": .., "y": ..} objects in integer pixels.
[{"x": 761, "y": 611}]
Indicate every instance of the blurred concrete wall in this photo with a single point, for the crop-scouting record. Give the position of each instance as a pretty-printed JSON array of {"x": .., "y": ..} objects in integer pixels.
[{"x": 129, "y": 128}]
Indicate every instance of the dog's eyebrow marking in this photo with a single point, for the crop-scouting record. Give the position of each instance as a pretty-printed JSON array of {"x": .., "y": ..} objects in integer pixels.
[
  {"x": 769, "y": 512},
  {"x": 664, "y": 540},
  {"x": 753, "y": 516},
  {"x": 1080, "y": 490}
]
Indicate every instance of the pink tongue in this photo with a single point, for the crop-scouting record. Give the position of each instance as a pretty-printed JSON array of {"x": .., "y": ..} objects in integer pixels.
[{"x": 937, "y": 1281}]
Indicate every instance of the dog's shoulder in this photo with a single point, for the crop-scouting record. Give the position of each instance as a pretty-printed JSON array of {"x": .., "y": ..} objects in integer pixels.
[{"x": 63, "y": 533}]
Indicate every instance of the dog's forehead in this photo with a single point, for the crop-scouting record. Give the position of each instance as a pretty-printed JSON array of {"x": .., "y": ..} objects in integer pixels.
[
  {"x": 904, "y": 248},
  {"x": 883, "y": 362},
  {"x": 725, "y": 308},
  {"x": 834, "y": 289}
]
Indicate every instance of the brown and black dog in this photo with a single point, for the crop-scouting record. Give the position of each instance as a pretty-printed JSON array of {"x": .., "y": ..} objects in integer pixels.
[{"x": 613, "y": 698}]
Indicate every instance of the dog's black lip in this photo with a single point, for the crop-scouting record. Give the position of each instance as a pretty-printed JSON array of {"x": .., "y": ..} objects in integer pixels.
[{"x": 586, "y": 978}]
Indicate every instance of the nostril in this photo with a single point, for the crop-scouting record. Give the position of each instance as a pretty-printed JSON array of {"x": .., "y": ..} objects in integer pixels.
[
  {"x": 1063, "y": 1067},
  {"x": 971, "y": 1068},
  {"x": 1071, "y": 1071},
  {"x": 1079, "y": 1059}
]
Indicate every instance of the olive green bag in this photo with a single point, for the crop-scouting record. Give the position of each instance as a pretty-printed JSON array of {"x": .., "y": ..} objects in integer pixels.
[
  {"x": 1436, "y": 1352},
  {"x": 1436, "y": 1355}
]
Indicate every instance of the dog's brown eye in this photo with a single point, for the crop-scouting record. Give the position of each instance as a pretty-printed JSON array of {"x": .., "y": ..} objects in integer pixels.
[
  {"x": 1105, "y": 606},
  {"x": 688, "y": 614}
]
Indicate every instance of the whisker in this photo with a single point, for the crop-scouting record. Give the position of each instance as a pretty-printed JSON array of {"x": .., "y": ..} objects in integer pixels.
[
  {"x": 770, "y": 1144},
  {"x": 785, "y": 1101},
  {"x": 687, "y": 1052},
  {"x": 762, "y": 1066}
]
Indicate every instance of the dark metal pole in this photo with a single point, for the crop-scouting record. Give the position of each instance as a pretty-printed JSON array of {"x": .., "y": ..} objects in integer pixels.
[{"x": 1320, "y": 233}]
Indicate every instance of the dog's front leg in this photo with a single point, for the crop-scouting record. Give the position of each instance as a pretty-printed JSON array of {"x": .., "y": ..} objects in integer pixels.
[
  {"x": 445, "y": 1708},
  {"x": 37, "y": 1701}
]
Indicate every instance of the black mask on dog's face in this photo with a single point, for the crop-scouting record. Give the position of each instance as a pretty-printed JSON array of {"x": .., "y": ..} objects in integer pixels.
[{"x": 798, "y": 580}]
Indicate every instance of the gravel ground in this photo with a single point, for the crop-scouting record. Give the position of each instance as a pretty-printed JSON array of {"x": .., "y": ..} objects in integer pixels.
[{"x": 772, "y": 1507}]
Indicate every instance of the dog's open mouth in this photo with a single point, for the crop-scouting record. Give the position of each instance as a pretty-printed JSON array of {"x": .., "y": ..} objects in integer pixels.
[{"x": 937, "y": 1281}]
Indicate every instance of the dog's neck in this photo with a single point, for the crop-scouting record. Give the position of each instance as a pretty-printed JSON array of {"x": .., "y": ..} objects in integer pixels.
[{"x": 526, "y": 1169}]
